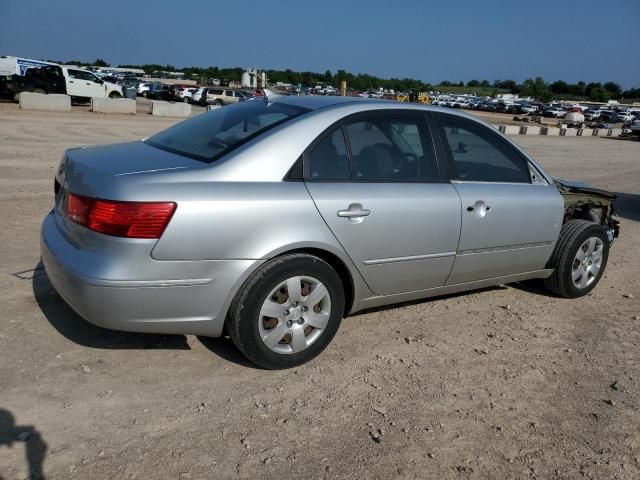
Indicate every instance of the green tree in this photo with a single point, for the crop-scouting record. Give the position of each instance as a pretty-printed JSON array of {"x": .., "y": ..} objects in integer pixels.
[
  {"x": 506, "y": 85},
  {"x": 536, "y": 88},
  {"x": 98, "y": 62},
  {"x": 559, "y": 87},
  {"x": 631, "y": 93},
  {"x": 613, "y": 88},
  {"x": 597, "y": 93},
  {"x": 473, "y": 83},
  {"x": 485, "y": 83}
]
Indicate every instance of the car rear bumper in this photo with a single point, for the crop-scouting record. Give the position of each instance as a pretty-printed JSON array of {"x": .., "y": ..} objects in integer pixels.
[{"x": 180, "y": 303}]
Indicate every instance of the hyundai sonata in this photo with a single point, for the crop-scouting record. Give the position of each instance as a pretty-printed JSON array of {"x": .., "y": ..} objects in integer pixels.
[{"x": 273, "y": 219}]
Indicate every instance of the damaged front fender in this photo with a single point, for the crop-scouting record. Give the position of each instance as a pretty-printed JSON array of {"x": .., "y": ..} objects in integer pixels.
[{"x": 582, "y": 201}]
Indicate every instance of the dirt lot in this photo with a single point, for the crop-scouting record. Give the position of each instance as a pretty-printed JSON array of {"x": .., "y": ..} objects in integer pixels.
[{"x": 501, "y": 383}]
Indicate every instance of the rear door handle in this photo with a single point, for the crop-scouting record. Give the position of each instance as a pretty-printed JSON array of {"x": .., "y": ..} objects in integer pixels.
[{"x": 355, "y": 210}]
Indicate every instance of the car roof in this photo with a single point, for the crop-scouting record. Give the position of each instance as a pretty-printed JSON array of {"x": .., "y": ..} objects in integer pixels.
[
  {"x": 315, "y": 102},
  {"x": 355, "y": 104}
]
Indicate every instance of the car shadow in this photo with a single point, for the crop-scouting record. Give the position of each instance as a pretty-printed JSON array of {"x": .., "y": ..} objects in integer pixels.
[
  {"x": 224, "y": 348},
  {"x": 534, "y": 286},
  {"x": 75, "y": 328},
  {"x": 627, "y": 205},
  {"x": 35, "y": 446}
]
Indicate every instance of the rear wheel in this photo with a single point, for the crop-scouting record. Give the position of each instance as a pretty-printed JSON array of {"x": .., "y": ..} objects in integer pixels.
[
  {"x": 113, "y": 95},
  {"x": 218, "y": 102},
  {"x": 40, "y": 90},
  {"x": 579, "y": 259},
  {"x": 287, "y": 312}
]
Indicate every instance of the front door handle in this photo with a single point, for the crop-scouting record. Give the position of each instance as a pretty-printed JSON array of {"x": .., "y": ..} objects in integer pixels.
[
  {"x": 355, "y": 213},
  {"x": 479, "y": 209}
]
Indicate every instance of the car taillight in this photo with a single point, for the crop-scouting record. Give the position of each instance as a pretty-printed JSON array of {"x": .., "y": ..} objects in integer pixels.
[{"x": 120, "y": 219}]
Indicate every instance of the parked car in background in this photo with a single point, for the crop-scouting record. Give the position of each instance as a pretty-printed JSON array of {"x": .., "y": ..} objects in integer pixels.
[
  {"x": 185, "y": 94},
  {"x": 220, "y": 96},
  {"x": 183, "y": 233},
  {"x": 143, "y": 88},
  {"x": 196, "y": 96},
  {"x": 624, "y": 116},
  {"x": 158, "y": 91},
  {"x": 489, "y": 106},
  {"x": 592, "y": 114},
  {"x": 529, "y": 109},
  {"x": 175, "y": 89},
  {"x": 555, "y": 112},
  {"x": 608, "y": 116}
]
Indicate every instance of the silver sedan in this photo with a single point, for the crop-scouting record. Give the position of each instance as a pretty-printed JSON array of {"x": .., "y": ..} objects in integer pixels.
[{"x": 273, "y": 219}]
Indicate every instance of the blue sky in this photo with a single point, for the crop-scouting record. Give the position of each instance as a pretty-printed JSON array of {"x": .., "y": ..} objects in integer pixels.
[{"x": 452, "y": 40}]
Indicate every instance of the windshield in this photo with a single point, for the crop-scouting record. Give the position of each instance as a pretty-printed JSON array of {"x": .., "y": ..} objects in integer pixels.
[{"x": 212, "y": 135}]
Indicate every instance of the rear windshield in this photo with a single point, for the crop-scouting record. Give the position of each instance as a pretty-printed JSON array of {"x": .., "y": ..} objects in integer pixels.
[{"x": 210, "y": 136}]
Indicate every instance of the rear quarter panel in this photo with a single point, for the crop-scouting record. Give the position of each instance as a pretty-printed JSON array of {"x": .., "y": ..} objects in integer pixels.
[
  {"x": 233, "y": 220},
  {"x": 228, "y": 220}
]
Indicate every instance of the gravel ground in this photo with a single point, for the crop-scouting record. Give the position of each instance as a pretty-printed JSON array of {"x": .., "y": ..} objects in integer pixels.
[{"x": 505, "y": 382}]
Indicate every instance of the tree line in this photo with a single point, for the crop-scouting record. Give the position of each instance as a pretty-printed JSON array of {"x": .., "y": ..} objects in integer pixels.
[{"x": 533, "y": 87}]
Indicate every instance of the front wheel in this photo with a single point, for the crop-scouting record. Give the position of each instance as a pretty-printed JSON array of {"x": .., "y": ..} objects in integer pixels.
[
  {"x": 114, "y": 95},
  {"x": 579, "y": 259},
  {"x": 287, "y": 312}
]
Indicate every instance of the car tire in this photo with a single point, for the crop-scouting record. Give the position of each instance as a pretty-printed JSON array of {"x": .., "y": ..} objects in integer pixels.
[
  {"x": 40, "y": 90},
  {"x": 300, "y": 328},
  {"x": 218, "y": 102},
  {"x": 114, "y": 95},
  {"x": 579, "y": 259}
]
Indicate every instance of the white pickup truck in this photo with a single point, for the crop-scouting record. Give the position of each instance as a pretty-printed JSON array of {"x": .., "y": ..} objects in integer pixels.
[
  {"x": 79, "y": 83},
  {"x": 85, "y": 84}
]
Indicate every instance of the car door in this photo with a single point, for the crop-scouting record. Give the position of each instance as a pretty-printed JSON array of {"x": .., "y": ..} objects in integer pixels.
[
  {"x": 85, "y": 84},
  {"x": 510, "y": 222},
  {"x": 76, "y": 86},
  {"x": 375, "y": 180},
  {"x": 94, "y": 85}
]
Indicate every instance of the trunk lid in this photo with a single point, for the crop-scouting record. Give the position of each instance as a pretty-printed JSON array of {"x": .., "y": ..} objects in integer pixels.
[{"x": 85, "y": 170}]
